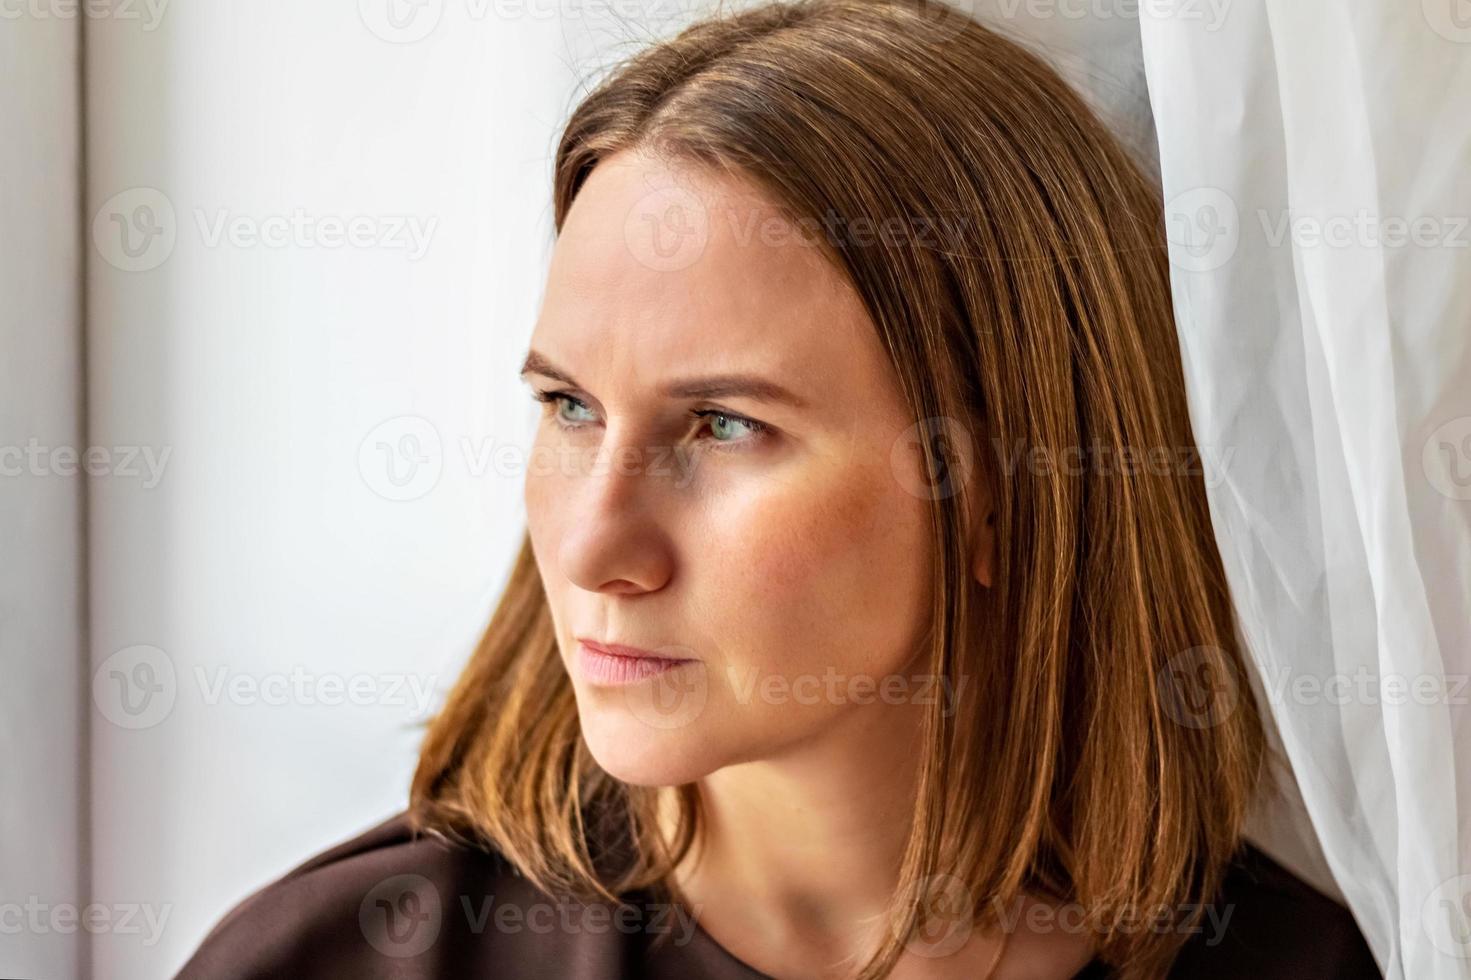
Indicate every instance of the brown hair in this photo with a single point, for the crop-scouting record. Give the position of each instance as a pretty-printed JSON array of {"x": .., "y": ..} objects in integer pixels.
[{"x": 1039, "y": 313}]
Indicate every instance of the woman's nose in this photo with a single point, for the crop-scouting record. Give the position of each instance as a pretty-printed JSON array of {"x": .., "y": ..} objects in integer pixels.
[{"x": 616, "y": 539}]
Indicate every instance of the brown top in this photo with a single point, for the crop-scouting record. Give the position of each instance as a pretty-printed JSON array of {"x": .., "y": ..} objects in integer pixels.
[{"x": 388, "y": 903}]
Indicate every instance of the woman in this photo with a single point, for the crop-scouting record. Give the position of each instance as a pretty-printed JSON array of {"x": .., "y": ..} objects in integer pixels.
[{"x": 869, "y": 620}]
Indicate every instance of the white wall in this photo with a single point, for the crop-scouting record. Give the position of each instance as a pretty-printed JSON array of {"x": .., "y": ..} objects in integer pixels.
[{"x": 42, "y": 567}]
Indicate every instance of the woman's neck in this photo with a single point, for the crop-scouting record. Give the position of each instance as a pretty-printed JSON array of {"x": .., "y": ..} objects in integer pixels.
[
  {"x": 816, "y": 835},
  {"x": 799, "y": 855}
]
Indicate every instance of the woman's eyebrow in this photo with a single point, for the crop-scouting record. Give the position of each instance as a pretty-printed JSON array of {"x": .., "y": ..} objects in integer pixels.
[{"x": 714, "y": 386}]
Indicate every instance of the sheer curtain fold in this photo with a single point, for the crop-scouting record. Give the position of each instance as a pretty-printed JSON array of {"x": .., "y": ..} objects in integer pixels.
[{"x": 1317, "y": 178}]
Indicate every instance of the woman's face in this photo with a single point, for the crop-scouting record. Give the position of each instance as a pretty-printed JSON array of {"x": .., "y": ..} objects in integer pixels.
[{"x": 788, "y": 562}]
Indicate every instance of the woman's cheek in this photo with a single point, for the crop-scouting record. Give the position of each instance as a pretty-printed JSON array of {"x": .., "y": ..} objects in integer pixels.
[
  {"x": 802, "y": 564},
  {"x": 762, "y": 544}
]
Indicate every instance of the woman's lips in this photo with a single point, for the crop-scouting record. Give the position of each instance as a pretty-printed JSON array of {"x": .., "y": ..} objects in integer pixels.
[{"x": 617, "y": 664}]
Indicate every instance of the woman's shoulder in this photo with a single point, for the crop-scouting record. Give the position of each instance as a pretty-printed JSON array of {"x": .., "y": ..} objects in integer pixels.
[
  {"x": 394, "y": 901},
  {"x": 1267, "y": 923},
  {"x": 314, "y": 911}
]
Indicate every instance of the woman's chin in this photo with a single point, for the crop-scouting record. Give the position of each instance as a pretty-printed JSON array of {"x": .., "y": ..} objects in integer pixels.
[{"x": 632, "y": 752}]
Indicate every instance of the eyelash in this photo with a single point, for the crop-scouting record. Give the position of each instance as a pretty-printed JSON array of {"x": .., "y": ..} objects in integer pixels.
[{"x": 759, "y": 430}]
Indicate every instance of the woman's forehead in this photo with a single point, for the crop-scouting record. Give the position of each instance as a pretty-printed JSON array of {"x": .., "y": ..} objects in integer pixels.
[
  {"x": 688, "y": 234},
  {"x": 746, "y": 299}
]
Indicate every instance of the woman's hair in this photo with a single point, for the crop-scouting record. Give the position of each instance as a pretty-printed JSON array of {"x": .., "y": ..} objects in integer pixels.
[{"x": 1021, "y": 291}]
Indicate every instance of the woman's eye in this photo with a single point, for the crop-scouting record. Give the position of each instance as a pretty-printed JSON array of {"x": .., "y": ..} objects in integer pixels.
[
  {"x": 577, "y": 406},
  {"x": 557, "y": 400},
  {"x": 727, "y": 428}
]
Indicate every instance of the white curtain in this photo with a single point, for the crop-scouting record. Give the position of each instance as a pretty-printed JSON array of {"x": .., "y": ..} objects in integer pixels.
[{"x": 1316, "y": 164}]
